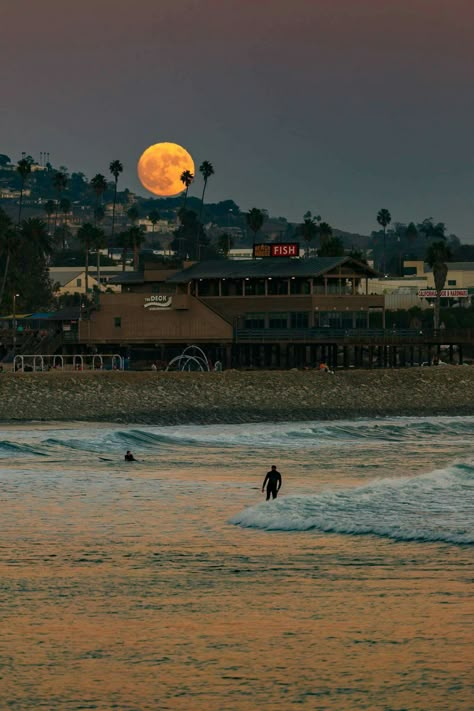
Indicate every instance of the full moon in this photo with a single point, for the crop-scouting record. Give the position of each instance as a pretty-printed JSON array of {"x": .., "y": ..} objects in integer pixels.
[{"x": 161, "y": 166}]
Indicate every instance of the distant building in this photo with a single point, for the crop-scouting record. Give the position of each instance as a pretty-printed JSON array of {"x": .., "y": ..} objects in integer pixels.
[
  {"x": 274, "y": 312},
  {"x": 72, "y": 280}
]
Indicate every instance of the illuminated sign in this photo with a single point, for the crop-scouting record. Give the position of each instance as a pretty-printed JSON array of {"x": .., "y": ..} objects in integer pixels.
[
  {"x": 271, "y": 249},
  {"x": 161, "y": 301},
  {"x": 445, "y": 293}
]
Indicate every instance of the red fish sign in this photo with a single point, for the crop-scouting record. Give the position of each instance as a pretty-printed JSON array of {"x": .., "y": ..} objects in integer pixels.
[{"x": 271, "y": 249}]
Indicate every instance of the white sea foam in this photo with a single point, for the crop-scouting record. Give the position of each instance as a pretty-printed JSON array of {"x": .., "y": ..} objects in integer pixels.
[{"x": 434, "y": 507}]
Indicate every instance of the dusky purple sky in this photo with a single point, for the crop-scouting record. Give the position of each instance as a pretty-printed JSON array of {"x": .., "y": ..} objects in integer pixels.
[{"x": 340, "y": 107}]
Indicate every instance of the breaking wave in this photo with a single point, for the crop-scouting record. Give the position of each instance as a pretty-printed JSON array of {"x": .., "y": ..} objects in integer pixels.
[
  {"x": 433, "y": 507},
  {"x": 289, "y": 436}
]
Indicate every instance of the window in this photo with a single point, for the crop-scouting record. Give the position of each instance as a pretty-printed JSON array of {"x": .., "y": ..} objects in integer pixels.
[
  {"x": 254, "y": 320},
  {"x": 255, "y": 287},
  {"x": 277, "y": 287},
  {"x": 78, "y": 282},
  {"x": 118, "y": 322},
  {"x": 361, "y": 319},
  {"x": 300, "y": 286},
  {"x": 451, "y": 282},
  {"x": 299, "y": 319},
  {"x": 330, "y": 319},
  {"x": 278, "y": 320}
]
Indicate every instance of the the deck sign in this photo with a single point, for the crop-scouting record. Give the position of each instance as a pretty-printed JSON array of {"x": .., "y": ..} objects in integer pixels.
[
  {"x": 272, "y": 249},
  {"x": 161, "y": 301}
]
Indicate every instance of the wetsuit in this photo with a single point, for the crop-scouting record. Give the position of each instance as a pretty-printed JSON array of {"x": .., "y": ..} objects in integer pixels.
[
  {"x": 273, "y": 481},
  {"x": 130, "y": 458}
]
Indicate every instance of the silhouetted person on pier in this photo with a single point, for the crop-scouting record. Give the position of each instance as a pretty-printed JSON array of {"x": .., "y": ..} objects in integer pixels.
[
  {"x": 129, "y": 457},
  {"x": 273, "y": 483}
]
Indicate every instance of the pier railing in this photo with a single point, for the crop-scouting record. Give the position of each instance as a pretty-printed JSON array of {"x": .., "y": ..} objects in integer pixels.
[{"x": 355, "y": 335}]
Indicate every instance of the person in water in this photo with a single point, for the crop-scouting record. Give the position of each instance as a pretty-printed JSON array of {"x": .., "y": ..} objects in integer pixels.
[
  {"x": 273, "y": 483},
  {"x": 129, "y": 457}
]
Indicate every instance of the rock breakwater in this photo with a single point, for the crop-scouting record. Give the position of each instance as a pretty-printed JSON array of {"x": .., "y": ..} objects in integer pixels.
[{"x": 234, "y": 396}]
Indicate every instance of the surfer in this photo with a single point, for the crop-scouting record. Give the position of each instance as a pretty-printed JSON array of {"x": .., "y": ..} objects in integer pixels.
[
  {"x": 273, "y": 482},
  {"x": 129, "y": 457}
]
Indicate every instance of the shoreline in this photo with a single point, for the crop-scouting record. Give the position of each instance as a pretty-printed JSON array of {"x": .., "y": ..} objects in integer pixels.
[{"x": 234, "y": 397}]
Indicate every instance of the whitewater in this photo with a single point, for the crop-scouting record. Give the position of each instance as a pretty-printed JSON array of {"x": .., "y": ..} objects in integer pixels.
[{"x": 170, "y": 583}]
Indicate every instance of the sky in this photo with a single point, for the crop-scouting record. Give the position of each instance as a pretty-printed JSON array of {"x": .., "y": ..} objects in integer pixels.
[{"x": 341, "y": 107}]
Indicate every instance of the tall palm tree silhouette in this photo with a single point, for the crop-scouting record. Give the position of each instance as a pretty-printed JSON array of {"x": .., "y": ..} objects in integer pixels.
[
  {"x": 8, "y": 244},
  {"x": 24, "y": 170},
  {"x": 154, "y": 218},
  {"x": 99, "y": 186},
  {"x": 49, "y": 208},
  {"x": 206, "y": 169},
  {"x": 255, "y": 219},
  {"x": 437, "y": 255},
  {"x": 186, "y": 178},
  {"x": 384, "y": 218},
  {"x": 116, "y": 168},
  {"x": 60, "y": 185},
  {"x": 65, "y": 207}
]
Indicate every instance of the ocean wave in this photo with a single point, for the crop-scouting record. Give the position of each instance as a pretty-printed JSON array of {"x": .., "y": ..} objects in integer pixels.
[
  {"x": 432, "y": 507},
  {"x": 254, "y": 437},
  {"x": 7, "y": 448}
]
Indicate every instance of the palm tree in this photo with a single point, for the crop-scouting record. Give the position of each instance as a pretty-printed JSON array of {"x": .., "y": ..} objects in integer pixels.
[
  {"x": 384, "y": 218},
  {"x": 186, "y": 178},
  {"x": 8, "y": 244},
  {"x": 154, "y": 218},
  {"x": 133, "y": 214},
  {"x": 99, "y": 214},
  {"x": 412, "y": 232},
  {"x": 65, "y": 207},
  {"x": 206, "y": 169},
  {"x": 59, "y": 184},
  {"x": 116, "y": 168},
  {"x": 437, "y": 255},
  {"x": 325, "y": 232},
  {"x": 35, "y": 231},
  {"x": 99, "y": 186},
  {"x": 309, "y": 228},
  {"x": 87, "y": 235},
  {"x": 255, "y": 219},
  {"x": 49, "y": 208},
  {"x": 123, "y": 241},
  {"x": 137, "y": 237},
  {"x": 24, "y": 170},
  {"x": 332, "y": 247}
]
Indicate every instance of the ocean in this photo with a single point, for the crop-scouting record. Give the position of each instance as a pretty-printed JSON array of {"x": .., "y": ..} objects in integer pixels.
[{"x": 170, "y": 583}]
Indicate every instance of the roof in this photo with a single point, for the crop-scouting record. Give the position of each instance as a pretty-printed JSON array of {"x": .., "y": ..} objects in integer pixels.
[
  {"x": 128, "y": 278},
  {"x": 66, "y": 274},
  {"x": 455, "y": 267},
  {"x": 64, "y": 277},
  {"x": 261, "y": 268},
  {"x": 70, "y": 314}
]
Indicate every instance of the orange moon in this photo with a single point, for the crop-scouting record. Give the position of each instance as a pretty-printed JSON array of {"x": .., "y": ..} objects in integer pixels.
[{"x": 160, "y": 168}]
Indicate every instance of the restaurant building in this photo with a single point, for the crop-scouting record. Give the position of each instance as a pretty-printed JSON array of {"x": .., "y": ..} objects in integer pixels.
[{"x": 277, "y": 312}]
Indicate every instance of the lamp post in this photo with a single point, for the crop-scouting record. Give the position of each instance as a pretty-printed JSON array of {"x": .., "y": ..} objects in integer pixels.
[{"x": 14, "y": 323}]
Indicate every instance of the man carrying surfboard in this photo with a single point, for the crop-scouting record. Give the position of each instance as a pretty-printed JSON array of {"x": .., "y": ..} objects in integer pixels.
[{"x": 273, "y": 482}]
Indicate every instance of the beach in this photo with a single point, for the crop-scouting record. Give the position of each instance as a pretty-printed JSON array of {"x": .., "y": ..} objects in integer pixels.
[
  {"x": 169, "y": 583},
  {"x": 162, "y": 398}
]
